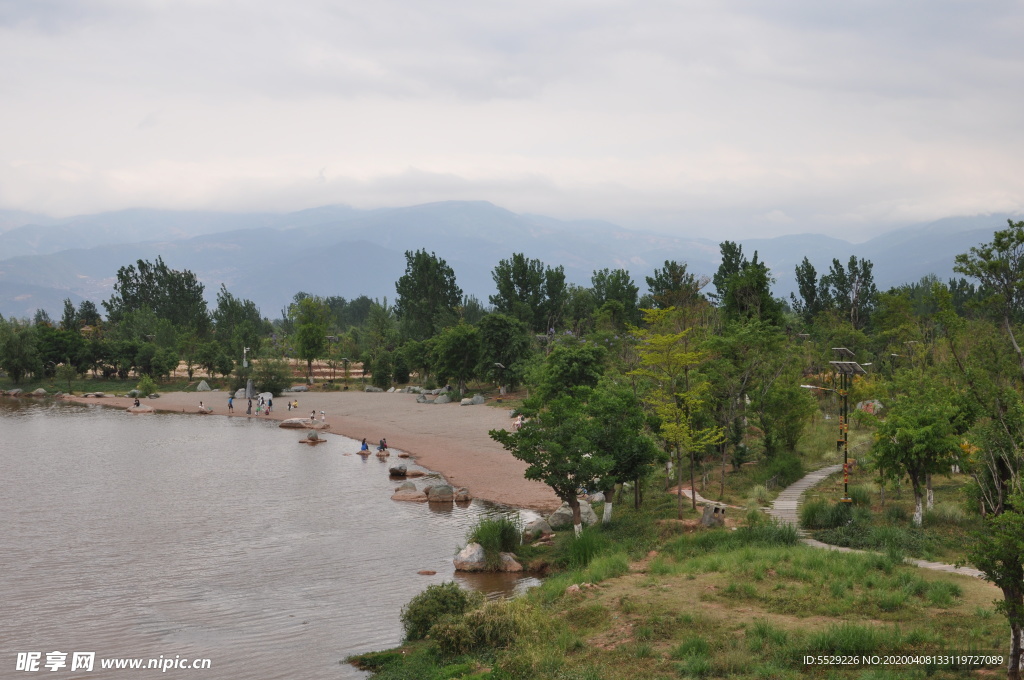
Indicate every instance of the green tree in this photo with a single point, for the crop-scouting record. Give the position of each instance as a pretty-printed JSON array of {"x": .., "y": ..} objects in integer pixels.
[
  {"x": 176, "y": 296},
  {"x": 615, "y": 292},
  {"x": 310, "y": 317},
  {"x": 557, "y": 444},
  {"x": 18, "y": 356},
  {"x": 529, "y": 291},
  {"x": 457, "y": 353},
  {"x": 677, "y": 393},
  {"x": 917, "y": 437},
  {"x": 88, "y": 315},
  {"x": 617, "y": 430},
  {"x": 427, "y": 295},
  {"x": 812, "y": 293},
  {"x": 504, "y": 340},
  {"x": 852, "y": 291},
  {"x": 238, "y": 324},
  {"x": 69, "y": 319},
  {"x": 570, "y": 365},
  {"x": 732, "y": 262},
  {"x": 673, "y": 286}
]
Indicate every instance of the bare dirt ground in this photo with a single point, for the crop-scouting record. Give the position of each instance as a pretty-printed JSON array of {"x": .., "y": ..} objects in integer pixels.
[{"x": 446, "y": 438}]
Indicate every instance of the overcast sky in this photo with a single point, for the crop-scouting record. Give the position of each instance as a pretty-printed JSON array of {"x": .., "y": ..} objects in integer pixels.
[{"x": 709, "y": 118}]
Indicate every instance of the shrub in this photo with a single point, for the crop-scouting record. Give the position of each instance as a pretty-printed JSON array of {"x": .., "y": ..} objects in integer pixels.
[
  {"x": 847, "y": 638},
  {"x": 759, "y": 495},
  {"x": 580, "y": 550},
  {"x": 496, "y": 535},
  {"x": 945, "y": 513},
  {"x": 896, "y": 514},
  {"x": 452, "y": 635},
  {"x": 437, "y": 600},
  {"x": 861, "y": 496},
  {"x": 146, "y": 386},
  {"x": 787, "y": 469},
  {"x": 272, "y": 375},
  {"x": 820, "y": 514}
]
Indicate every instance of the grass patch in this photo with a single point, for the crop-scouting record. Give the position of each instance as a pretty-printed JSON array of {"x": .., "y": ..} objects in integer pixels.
[{"x": 496, "y": 535}]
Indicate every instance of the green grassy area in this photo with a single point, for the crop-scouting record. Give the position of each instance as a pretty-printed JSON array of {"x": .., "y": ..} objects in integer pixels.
[
  {"x": 745, "y": 602},
  {"x": 875, "y": 525}
]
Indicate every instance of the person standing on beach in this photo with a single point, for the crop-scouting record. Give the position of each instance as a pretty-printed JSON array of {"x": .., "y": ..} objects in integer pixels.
[
  {"x": 231, "y": 404},
  {"x": 289, "y": 406},
  {"x": 270, "y": 405},
  {"x": 248, "y": 411},
  {"x": 312, "y": 416}
]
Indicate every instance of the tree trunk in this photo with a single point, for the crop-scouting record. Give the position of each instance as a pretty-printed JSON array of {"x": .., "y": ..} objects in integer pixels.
[
  {"x": 1013, "y": 666},
  {"x": 609, "y": 494},
  {"x": 679, "y": 485},
  {"x": 693, "y": 487},
  {"x": 918, "y": 499},
  {"x": 931, "y": 493},
  {"x": 577, "y": 520}
]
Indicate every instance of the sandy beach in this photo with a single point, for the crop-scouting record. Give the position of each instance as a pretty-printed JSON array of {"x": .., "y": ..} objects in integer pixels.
[{"x": 446, "y": 438}]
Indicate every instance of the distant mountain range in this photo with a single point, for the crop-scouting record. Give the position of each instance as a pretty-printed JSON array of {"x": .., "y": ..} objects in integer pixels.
[{"x": 337, "y": 250}]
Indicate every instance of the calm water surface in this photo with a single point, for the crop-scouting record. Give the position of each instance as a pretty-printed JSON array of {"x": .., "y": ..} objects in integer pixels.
[{"x": 207, "y": 537}]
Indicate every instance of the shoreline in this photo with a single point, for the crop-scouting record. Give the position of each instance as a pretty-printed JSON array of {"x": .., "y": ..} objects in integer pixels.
[{"x": 449, "y": 439}]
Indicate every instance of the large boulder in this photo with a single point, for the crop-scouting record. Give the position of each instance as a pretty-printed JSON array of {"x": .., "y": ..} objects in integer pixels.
[
  {"x": 536, "y": 529},
  {"x": 713, "y": 516},
  {"x": 240, "y": 393},
  {"x": 267, "y": 396},
  {"x": 471, "y": 558},
  {"x": 440, "y": 493},
  {"x": 462, "y": 495},
  {"x": 466, "y": 402},
  {"x": 371, "y": 388},
  {"x": 478, "y": 399},
  {"x": 40, "y": 392},
  {"x": 299, "y": 388},
  {"x": 203, "y": 386},
  {"x": 391, "y": 390},
  {"x": 508, "y": 563},
  {"x": 420, "y": 399},
  {"x": 411, "y": 495},
  {"x": 15, "y": 392},
  {"x": 562, "y": 518},
  {"x": 442, "y": 399},
  {"x": 398, "y": 471}
]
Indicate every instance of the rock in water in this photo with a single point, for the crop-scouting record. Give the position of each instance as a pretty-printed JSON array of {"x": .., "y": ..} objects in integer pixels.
[
  {"x": 471, "y": 558},
  {"x": 397, "y": 471},
  {"x": 440, "y": 493}
]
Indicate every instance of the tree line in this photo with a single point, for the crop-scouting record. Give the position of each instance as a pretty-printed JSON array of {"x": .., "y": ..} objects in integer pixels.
[{"x": 699, "y": 373}]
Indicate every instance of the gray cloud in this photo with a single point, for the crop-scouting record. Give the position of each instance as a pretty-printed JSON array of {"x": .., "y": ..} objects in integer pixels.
[{"x": 757, "y": 116}]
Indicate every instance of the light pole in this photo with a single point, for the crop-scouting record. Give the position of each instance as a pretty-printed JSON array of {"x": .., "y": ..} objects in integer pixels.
[
  {"x": 847, "y": 368},
  {"x": 245, "y": 361}
]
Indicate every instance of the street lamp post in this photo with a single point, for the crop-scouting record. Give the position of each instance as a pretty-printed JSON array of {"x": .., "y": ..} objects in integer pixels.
[
  {"x": 846, "y": 368},
  {"x": 245, "y": 360}
]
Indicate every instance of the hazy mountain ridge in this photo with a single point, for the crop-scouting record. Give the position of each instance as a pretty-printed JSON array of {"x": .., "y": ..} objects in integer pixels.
[{"x": 338, "y": 250}]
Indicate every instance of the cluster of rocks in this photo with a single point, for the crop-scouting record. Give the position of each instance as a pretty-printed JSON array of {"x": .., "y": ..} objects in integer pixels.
[
  {"x": 473, "y": 558},
  {"x": 16, "y": 392},
  {"x": 402, "y": 471},
  {"x": 432, "y": 493}
]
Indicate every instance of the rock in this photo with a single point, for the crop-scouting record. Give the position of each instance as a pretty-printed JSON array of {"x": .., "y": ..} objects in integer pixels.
[
  {"x": 397, "y": 471},
  {"x": 152, "y": 396},
  {"x": 426, "y": 572},
  {"x": 250, "y": 389},
  {"x": 133, "y": 393},
  {"x": 536, "y": 529},
  {"x": 313, "y": 436},
  {"x": 411, "y": 495},
  {"x": 478, "y": 399},
  {"x": 443, "y": 390},
  {"x": 572, "y": 590},
  {"x": 142, "y": 408},
  {"x": 267, "y": 396},
  {"x": 466, "y": 402},
  {"x": 371, "y": 388},
  {"x": 471, "y": 558},
  {"x": 713, "y": 516},
  {"x": 40, "y": 392},
  {"x": 403, "y": 454},
  {"x": 240, "y": 393},
  {"x": 415, "y": 473},
  {"x": 509, "y": 564},
  {"x": 203, "y": 386},
  {"x": 440, "y": 493},
  {"x": 462, "y": 495},
  {"x": 299, "y": 388},
  {"x": 421, "y": 399},
  {"x": 442, "y": 399},
  {"x": 391, "y": 390},
  {"x": 597, "y": 497},
  {"x": 15, "y": 392},
  {"x": 562, "y": 518},
  {"x": 406, "y": 486}
]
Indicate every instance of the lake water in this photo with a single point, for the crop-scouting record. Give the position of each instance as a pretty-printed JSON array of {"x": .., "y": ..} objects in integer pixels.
[{"x": 207, "y": 537}]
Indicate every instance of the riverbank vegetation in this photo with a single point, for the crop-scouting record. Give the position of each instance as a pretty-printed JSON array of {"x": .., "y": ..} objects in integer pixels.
[{"x": 709, "y": 385}]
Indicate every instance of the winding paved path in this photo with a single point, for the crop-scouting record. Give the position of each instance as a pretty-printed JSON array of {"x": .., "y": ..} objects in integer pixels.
[{"x": 784, "y": 509}]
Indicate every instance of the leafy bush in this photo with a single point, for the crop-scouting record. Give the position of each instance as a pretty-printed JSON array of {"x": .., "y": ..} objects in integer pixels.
[
  {"x": 580, "y": 550},
  {"x": 785, "y": 468},
  {"x": 452, "y": 635},
  {"x": 896, "y": 514},
  {"x": 759, "y": 495},
  {"x": 496, "y": 535},
  {"x": 146, "y": 386},
  {"x": 821, "y": 514},
  {"x": 271, "y": 375},
  {"x": 437, "y": 600},
  {"x": 861, "y": 496}
]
